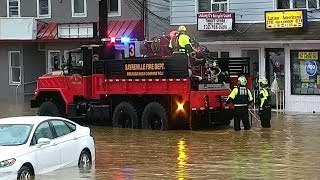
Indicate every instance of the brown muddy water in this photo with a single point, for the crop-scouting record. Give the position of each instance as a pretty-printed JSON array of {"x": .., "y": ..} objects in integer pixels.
[{"x": 289, "y": 150}]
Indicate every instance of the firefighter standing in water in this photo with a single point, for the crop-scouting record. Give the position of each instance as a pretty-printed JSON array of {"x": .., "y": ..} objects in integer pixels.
[
  {"x": 181, "y": 42},
  {"x": 264, "y": 103},
  {"x": 241, "y": 96}
]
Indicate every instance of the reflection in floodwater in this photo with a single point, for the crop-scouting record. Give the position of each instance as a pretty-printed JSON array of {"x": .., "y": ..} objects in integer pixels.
[
  {"x": 289, "y": 150},
  {"x": 182, "y": 159}
]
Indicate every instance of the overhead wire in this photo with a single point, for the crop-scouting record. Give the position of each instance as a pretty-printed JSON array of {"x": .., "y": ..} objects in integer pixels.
[
  {"x": 137, "y": 11},
  {"x": 158, "y": 4},
  {"x": 140, "y": 9},
  {"x": 148, "y": 10}
]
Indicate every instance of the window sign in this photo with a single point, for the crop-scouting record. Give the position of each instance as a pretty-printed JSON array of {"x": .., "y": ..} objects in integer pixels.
[
  {"x": 285, "y": 19},
  {"x": 305, "y": 75},
  {"x": 311, "y": 68}
]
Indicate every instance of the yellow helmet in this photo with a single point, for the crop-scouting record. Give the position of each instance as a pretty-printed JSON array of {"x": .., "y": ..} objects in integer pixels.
[
  {"x": 263, "y": 81},
  {"x": 182, "y": 28},
  {"x": 242, "y": 80}
]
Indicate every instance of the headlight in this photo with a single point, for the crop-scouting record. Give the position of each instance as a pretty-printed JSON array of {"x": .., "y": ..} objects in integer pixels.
[{"x": 7, "y": 163}]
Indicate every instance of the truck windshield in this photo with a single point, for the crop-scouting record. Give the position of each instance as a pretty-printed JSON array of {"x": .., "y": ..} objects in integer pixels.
[
  {"x": 76, "y": 59},
  {"x": 14, "y": 134}
]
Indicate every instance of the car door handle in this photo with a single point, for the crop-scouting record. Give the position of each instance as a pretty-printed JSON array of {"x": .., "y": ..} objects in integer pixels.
[
  {"x": 75, "y": 138},
  {"x": 54, "y": 144}
]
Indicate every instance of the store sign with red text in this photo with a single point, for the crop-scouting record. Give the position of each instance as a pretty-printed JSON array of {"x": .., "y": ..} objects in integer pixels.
[{"x": 215, "y": 21}]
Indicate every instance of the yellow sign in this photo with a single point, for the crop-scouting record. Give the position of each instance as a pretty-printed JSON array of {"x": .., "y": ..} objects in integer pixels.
[
  {"x": 284, "y": 19},
  {"x": 145, "y": 69},
  {"x": 308, "y": 55},
  {"x": 318, "y": 79}
]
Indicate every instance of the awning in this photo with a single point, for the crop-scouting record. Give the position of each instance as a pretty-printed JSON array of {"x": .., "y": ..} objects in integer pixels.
[
  {"x": 47, "y": 31},
  {"x": 129, "y": 28}
]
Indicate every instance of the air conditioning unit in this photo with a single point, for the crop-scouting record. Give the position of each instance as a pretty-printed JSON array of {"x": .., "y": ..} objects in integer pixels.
[{"x": 41, "y": 47}]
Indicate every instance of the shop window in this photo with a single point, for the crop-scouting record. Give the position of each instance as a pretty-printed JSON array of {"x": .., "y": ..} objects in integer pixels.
[
  {"x": 213, "y": 5},
  {"x": 79, "y": 8},
  {"x": 44, "y": 8},
  {"x": 114, "y": 8},
  {"x": 13, "y": 8},
  {"x": 14, "y": 68},
  {"x": 297, "y": 4},
  {"x": 305, "y": 75}
]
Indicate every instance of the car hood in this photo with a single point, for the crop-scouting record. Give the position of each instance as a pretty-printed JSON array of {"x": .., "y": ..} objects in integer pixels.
[{"x": 8, "y": 152}]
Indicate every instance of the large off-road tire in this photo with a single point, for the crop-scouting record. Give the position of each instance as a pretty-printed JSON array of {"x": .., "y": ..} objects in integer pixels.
[
  {"x": 85, "y": 160},
  {"x": 48, "y": 108},
  {"x": 25, "y": 173},
  {"x": 155, "y": 117},
  {"x": 125, "y": 116}
]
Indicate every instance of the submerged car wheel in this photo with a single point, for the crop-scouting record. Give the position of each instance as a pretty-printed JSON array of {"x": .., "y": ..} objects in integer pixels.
[
  {"x": 25, "y": 173},
  {"x": 85, "y": 160}
]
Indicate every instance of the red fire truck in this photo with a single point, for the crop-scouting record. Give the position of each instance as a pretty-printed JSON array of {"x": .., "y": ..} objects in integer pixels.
[
  {"x": 147, "y": 88},
  {"x": 140, "y": 84}
]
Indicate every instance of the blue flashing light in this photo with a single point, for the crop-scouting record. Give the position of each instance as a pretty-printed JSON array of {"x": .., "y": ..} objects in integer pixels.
[{"x": 125, "y": 39}]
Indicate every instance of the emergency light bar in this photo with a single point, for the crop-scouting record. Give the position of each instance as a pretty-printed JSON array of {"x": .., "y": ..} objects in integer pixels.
[{"x": 123, "y": 39}]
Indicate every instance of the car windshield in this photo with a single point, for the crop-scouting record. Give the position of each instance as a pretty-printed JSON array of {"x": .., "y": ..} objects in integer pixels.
[{"x": 14, "y": 134}]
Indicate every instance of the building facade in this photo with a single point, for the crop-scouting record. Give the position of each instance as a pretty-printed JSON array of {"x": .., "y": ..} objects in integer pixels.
[
  {"x": 281, "y": 37},
  {"x": 36, "y": 35}
]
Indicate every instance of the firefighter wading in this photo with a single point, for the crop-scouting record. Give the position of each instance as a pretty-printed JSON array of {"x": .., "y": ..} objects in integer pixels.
[
  {"x": 240, "y": 97},
  {"x": 264, "y": 103}
]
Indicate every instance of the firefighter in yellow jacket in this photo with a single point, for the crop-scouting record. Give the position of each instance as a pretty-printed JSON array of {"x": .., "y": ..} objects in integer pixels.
[
  {"x": 241, "y": 96},
  {"x": 264, "y": 103},
  {"x": 181, "y": 42}
]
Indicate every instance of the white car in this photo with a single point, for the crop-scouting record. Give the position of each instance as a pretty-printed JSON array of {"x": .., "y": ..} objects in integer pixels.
[{"x": 32, "y": 145}]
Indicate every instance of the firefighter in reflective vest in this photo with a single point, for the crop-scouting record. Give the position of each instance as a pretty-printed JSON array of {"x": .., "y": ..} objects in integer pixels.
[
  {"x": 181, "y": 42},
  {"x": 264, "y": 103},
  {"x": 241, "y": 96}
]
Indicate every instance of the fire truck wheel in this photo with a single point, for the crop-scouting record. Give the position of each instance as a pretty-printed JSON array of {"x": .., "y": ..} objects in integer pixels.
[
  {"x": 48, "y": 108},
  {"x": 155, "y": 117},
  {"x": 125, "y": 116}
]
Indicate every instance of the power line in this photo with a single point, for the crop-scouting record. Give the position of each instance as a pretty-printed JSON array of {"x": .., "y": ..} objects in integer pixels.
[
  {"x": 158, "y": 4},
  {"x": 137, "y": 11},
  {"x": 141, "y": 6}
]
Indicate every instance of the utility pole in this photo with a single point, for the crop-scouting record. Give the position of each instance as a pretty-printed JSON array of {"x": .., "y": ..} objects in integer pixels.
[
  {"x": 105, "y": 52},
  {"x": 103, "y": 19}
]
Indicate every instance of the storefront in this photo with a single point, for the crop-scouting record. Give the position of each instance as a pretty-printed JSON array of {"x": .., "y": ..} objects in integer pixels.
[{"x": 291, "y": 54}]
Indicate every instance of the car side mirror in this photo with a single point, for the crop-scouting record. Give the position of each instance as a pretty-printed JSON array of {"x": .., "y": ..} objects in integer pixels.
[{"x": 43, "y": 141}]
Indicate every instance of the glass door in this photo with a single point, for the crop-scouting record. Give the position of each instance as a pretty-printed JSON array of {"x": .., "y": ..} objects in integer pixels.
[
  {"x": 253, "y": 66},
  {"x": 275, "y": 63}
]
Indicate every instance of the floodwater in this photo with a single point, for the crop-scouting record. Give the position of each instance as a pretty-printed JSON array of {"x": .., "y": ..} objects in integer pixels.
[{"x": 289, "y": 150}]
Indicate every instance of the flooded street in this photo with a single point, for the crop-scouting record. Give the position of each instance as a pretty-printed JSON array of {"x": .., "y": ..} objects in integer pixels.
[{"x": 289, "y": 150}]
